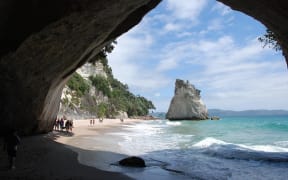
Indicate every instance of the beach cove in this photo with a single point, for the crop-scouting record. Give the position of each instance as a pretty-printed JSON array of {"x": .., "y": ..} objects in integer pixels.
[
  {"x": 231, "y": 148},
  {"x": 50, "y": 156}
]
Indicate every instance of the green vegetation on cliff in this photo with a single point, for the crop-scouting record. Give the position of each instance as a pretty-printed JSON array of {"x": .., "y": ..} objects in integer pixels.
[
  {"x": 101, "y": 84},
  {"x": 78, "y": 84},
  {"x": 119, "y": 96},
  {"x": 124, "y": 100}
]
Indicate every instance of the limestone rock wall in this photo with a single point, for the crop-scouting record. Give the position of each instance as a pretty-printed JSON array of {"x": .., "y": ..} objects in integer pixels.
[
  {"x": 186, "y": 103},
  {"x": 74, "y": 107},
  {"x": 89, "y": 69}
]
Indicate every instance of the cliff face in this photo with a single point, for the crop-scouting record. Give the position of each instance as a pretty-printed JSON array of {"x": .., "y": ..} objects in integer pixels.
[
  {"x": 186, "y": 103},
  {"x": 74, "y": 106},
  {"x": 43, "y": 42},
  {"x": 93, "y": 92}
]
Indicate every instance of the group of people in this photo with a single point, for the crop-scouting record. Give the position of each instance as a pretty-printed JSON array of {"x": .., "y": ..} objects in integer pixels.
[
  {"x": 92, "y": 122},
  {"x": 61, "y": 124}
]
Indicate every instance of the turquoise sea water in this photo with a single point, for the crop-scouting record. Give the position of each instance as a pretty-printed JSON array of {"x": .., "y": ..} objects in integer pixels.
[{"x": 230, "y": 148}]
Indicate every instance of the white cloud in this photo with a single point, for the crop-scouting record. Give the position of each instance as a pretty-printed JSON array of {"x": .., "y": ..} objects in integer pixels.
[
  {"x": 239, "y": 77},
  {"x": 231, "y": 74},
  {"x": 127, "y": 61},
  {"x": 167, "y": 64},
  {"x": 215, "y": 24},
  {"x": 157, "y": 94},
  {"x": 229, "y": 58},
  {"x": 172, "y": 27},
  {"x": 221, "y": 8},
  {"x": 183, "y": 9}
]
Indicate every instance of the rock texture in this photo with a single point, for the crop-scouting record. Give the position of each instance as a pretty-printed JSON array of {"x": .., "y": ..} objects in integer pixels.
[
  {"x": 186, "y": 103},
  {"x": 42, "y": 42},
  {"x": 75, "y": 107},
  {"x": 89, "y": 69}
]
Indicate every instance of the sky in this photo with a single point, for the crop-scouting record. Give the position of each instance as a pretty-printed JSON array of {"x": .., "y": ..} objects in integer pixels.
[{"x": 212, "y": 46}]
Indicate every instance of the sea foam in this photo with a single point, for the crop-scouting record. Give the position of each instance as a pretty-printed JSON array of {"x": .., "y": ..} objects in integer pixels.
[
  {"x": 173, "y": 123},
  {"x": 218, "y": 148}
]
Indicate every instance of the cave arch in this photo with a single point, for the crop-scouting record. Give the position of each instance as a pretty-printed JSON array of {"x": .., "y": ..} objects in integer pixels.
[{"x": 42, "y": 42}]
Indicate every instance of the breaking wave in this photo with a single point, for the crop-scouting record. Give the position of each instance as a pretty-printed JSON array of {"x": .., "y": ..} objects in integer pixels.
[{"x": 215, "y": 147}]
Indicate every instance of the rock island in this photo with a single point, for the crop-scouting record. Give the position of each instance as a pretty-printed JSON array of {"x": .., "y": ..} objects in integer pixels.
[{"x": 186, "y": 103}]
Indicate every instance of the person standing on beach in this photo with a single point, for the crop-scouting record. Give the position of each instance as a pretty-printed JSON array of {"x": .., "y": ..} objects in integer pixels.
[
  {"x": 67, "y": 125},
  {"x": 61, "y": 124},
  {"x": 71, "y": 125},
  {"x": 56, "y": 124},
  {"x": 11, "y": 142}
]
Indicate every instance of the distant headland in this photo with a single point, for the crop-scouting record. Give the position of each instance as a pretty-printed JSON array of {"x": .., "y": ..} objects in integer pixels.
[
  {"x": 225, "y": 113},
  {"x": 257, "y": 112}
]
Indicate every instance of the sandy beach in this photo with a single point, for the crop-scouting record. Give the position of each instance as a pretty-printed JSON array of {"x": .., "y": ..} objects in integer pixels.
[
  {"x": 56, "y": 155},
  {"x": 171, "y": 150}
]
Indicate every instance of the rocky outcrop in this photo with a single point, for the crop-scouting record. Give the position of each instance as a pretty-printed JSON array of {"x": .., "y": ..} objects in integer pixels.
[
  {"x": 186, "y": 103},
  {"x": 43, "y": 42},
  {"x": 132, "y": 161},
  {"x": 74, "y": 106},
  {"x": 92, "y": 69}
]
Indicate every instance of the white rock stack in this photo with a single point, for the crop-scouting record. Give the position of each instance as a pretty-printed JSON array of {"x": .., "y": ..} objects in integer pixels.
[{"x": 186, "y": 103}]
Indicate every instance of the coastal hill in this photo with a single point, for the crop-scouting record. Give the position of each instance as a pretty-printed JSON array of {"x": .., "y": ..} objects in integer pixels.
[
  {"x": 92, "y": 92},
  {"x": 225, "y": 113},
  {"x": 186, "y": 103}
]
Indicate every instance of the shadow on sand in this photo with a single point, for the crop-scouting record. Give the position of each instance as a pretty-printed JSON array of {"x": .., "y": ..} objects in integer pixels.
[{"x": 40, "y": 157}]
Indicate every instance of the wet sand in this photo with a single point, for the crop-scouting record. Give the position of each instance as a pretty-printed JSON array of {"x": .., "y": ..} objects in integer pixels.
[
  {"x": 98, "y": 146},
  {"x": 50, "y": 156}
]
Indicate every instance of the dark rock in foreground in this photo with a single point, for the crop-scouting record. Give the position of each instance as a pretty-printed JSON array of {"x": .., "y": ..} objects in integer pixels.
[{"x": 133, "y": 162}]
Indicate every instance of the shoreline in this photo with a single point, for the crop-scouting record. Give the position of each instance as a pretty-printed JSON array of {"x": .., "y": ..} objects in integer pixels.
[
  {"x": 82, "y": 127},
  {"x": 97, "y": 146},
  {"x": 53, "y": 156}
]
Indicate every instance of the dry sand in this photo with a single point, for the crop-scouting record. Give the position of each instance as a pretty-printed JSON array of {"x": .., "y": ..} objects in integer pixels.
[
  {"x": 83, "y": 127},
  {"x": 50, "y": 156}
]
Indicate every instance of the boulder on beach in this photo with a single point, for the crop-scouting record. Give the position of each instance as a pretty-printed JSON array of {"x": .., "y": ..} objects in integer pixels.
[
  {"x": 132, "y": 161},
  {"x": 186, "y": 103}
]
